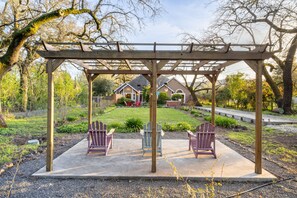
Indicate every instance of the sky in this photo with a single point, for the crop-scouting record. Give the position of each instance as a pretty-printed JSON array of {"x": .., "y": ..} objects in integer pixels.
[{"x": 179, "y": 17}]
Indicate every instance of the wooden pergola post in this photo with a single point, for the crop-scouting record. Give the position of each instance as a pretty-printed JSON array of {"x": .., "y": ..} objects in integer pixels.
[
  {"x": 90, "y": 99},
  {"x": 51, "y": 66},
  {"x": 258, "y": 129},
  {"x": 257, "y": 66},
  {"x": 90, "y": 79},
  {"x": 213, "y": 99},
  {"x": 50, "y": 117},
  {"x": 154, "y": 116},
  {"x": 213, "y": 79}
]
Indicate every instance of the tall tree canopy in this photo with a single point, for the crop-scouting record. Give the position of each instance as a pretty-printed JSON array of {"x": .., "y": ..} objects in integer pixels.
[
  {"x": 20, "y": 20},
  {"x": 264, "y": 21}
]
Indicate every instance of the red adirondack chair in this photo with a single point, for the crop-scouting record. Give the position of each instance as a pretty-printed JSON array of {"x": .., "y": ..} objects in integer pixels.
[
  {"x": 98, "y": 138},
  {"x": 204, "y": 141}
]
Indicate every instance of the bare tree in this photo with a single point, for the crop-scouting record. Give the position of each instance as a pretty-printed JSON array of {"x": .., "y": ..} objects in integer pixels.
[
  {"x": 195, "y": 86},
  {"x": 99, "y": 19},
  {"x": 275, "y": 19},
  {"x": 26, "y": 21}
]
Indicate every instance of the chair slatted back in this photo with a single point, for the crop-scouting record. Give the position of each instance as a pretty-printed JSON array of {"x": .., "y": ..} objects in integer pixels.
[
  {"x": 205, "y": 135},
  {"x": 97, "y": 132},
  {"x": 148, "y": 135}
]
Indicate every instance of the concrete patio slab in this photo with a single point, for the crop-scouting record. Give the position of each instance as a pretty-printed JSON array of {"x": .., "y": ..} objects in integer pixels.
[{"x": 125, "y": 161}]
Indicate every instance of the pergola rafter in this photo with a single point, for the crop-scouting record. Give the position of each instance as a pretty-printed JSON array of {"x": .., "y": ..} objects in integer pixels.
[{"x": 153, "y": 60}]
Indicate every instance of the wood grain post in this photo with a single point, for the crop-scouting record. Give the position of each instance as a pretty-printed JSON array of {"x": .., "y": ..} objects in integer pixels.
[
  {"x": 258, "y": 127},
  {"x": 90, "y": 99},
  {"x": 213, "y": 99},
  {"x": 154, "y": 117},
  {"x": 50, "y": 118}
]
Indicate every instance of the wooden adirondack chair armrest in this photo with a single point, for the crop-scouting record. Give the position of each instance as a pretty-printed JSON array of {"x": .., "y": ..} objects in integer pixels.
[
  {"x": 111, "y": 131},
  {"x": 190, "y": 133}
]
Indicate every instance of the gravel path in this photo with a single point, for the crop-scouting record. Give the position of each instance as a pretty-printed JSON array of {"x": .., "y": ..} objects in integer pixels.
[
  {"x": 247, "y": 116},
  {"x": 285, "y": 128},
  {"x": 27, "y": 186}
]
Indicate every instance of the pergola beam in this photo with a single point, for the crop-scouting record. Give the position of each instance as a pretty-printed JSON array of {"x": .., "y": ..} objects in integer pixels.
[
  {"x": 105, "y": 64},
  {"x": 200, "y": 64},
  {"x": 225, "y": 49},
  {"x": 80, "y": 63},
  {"x": 148, "y": 64},
  {"x": 126, "y": 61},
  {"x": 159, "y": 55},
  {"x": 176, "y": 64},
  {"x": 175, "y": 72},
  {"x": 54, "y": 64},
  {"x": 161, "y": 64},
  {"x": 223, "y": 65}
]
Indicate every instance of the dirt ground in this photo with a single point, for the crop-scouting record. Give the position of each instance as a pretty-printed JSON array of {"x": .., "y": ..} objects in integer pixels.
[{"x": 18, "y": 182}]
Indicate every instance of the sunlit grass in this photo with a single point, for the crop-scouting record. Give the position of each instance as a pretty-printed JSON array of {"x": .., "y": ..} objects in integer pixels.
[{"x": 164, "y": 115}]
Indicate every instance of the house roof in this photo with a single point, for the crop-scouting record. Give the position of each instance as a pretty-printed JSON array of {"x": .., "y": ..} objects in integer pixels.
[
  {"x": 140, "y": 81},
  {"x": 164, "y": 85},
  {"x": 122, "y": 86}
]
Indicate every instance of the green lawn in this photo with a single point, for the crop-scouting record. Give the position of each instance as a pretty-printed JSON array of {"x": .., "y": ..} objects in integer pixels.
[
  {"x": 164, "y": 115},
  {"x": 35, "y": 127}
]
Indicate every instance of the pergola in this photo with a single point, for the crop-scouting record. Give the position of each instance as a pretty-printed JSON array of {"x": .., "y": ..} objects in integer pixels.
[{"x": 152, "y": 60}]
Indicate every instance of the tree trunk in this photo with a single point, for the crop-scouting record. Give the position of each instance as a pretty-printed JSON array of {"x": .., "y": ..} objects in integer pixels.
[
  {"x": 2, "y": 122},
  {"x": 274, "y": 88},
  {"x": 287, "y": 78},
  {"x": 24, "y": 86},
  {"x": 11, "y": 55},
  {"x": 195, "y": 99}
]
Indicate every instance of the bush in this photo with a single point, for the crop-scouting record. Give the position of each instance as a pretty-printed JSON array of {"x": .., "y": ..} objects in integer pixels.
[
  {"x": 71, "y": 118},
  {"x": 185, "y": 108},
  {"x": 176, "y": 96},
  {"x": 183, "y": 126},
  {"x": 84, "y": 114},
  {"x": 73, "y": 128},
  {"x": 162, "y": 98},
  {"x": 122, "y": 100},
  {"x": 223, "y": 121},
  {"x": 134, "y": 124},
  {"x": 169, "y": 127},
  {"x": 194, "y": 112}
]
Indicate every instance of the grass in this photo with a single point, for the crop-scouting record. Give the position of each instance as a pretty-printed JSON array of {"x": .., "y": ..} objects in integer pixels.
[
  {"x": 164, "y": 115},
  {"x": 285, "y": 154},
  {"x": 269, "y": 147}
]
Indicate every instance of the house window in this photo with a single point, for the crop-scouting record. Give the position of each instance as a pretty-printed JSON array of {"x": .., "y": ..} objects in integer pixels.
[
  {"x": 128, "y": 96},
  {"x": 134, "y": 97},
  {"x": 179, "y": 91}
]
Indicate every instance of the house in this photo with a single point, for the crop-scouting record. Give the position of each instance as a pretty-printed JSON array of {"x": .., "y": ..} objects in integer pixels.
[{"x": 133, "y": 89}]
